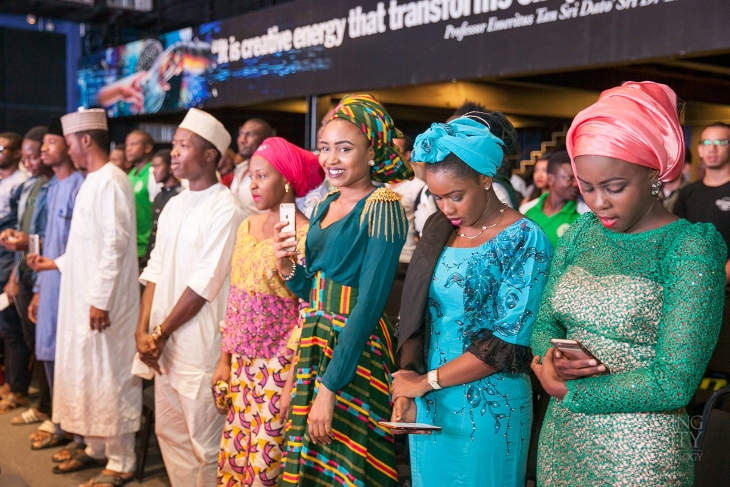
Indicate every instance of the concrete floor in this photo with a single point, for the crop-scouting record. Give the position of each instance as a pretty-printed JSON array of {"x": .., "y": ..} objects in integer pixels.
[{"x": 35, "y": 466}]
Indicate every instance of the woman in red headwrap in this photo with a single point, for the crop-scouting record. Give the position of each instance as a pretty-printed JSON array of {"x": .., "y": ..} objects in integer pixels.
[
  {"x": 639, "y": 288},
  {"x": 261, "y": 316}
]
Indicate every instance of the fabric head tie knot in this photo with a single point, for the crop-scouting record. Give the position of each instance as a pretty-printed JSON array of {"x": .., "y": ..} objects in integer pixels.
[
  {"x": 299, "y": 167},
  {"x": 467, "y": 139},
  {"x": 636, "y": 122},
  {"x": 369, "y": 116}
]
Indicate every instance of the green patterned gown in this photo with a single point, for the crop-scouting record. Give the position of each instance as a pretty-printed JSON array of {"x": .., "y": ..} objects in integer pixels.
[{"x": 649, "y": 306}]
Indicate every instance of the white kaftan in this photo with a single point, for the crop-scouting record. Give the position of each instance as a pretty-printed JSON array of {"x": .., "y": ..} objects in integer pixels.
[
  {"x": 95, "y": 393},
  {"x": 196, "y": 234}
]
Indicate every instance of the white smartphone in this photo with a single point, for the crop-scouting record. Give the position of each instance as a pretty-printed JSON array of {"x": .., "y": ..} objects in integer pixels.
[
  {"x": 288, "y": 213},
  {"x": 34, "y": 244}
]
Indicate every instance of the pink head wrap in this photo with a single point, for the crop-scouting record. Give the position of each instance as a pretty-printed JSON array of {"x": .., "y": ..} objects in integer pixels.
[
  {"x": 635, "y": 122},
  {"x": 299, "y": 167}
]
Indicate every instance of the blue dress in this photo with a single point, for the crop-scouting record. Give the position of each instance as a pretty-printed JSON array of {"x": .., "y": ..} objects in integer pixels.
[
  {"x": 61, "y": 199},
  {"x": 494, "y": 288}
]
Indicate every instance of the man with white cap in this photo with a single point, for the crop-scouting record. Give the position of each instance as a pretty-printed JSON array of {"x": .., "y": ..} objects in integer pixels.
[
  {"x": 95, "y": 394},
  {"x": 187, "y": 280}
]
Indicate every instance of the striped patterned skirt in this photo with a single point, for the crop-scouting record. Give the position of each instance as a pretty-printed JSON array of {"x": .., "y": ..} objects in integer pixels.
[{"x": 362, "y": 454}]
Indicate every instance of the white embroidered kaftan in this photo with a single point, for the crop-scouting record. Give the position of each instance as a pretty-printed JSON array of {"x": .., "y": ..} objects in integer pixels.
[
  {"x": 196, "y": 234},
  {"x": 95, "y": 393}
]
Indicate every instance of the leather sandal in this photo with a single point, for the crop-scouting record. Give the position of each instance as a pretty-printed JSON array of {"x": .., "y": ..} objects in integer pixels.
[
  {"x": 83, "y": 462},
  {"x": 113, "y": 480},
  {"x": 65, "y": 454},
  {"x": 51, "y": 442}
]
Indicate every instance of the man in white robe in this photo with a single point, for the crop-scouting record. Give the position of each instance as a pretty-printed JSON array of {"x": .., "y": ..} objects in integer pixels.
[
  {"x": 95, "y": 394},
  {"x": 187, "y": 279}
]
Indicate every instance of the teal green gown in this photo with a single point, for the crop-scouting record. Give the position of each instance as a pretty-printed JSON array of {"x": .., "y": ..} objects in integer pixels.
[
  {"x": 649, "y": 306},
  {"x": 486, "y": 294},
  {"x": 346, "y": 345}
]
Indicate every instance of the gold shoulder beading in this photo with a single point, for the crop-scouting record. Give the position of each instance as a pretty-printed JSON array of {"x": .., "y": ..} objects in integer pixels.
[{"x": 385, "y": 215}]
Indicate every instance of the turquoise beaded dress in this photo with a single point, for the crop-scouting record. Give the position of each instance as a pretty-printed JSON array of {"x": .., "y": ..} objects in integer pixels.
[
  {"x": 492, "y": 290},
  {"x": 649, "y": 306}
]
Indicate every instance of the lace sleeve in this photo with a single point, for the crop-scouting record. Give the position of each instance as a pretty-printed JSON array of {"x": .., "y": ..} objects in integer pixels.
[
  {"x": 500, "y": 355},
  {"x": 499, "y": 323},
  {"x": 691, "y": 316}
]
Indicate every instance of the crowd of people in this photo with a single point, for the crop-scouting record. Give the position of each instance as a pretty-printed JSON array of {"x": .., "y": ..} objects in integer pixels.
[{"x": 412, "y": 281}]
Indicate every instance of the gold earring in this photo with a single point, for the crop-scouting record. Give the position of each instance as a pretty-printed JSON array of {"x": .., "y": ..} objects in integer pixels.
[{"x": 286, "y": 188}]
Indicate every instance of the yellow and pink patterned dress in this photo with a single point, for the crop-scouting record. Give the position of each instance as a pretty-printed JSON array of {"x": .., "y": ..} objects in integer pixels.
[{"x": 259, "y": 320}]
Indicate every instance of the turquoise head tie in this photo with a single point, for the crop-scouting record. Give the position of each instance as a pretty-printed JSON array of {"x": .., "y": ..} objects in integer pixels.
[{"x": 467, "y": 139}]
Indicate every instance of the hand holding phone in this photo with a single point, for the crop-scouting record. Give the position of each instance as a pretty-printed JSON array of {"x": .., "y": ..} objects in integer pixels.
[
  {"x": 34, "y": 244},
  {"x": 288, "y": 214},
  {"x": 410, "y": 428},
  {"x": 575, "y": 360}
]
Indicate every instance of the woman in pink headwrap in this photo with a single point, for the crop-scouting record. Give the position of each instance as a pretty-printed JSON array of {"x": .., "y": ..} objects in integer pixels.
[
  {"x": 261, "y": 316},
  {"x": 640, "y": 289}
]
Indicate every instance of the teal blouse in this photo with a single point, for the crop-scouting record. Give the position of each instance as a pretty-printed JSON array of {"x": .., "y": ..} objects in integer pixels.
[{"x": 360, "y": 250}]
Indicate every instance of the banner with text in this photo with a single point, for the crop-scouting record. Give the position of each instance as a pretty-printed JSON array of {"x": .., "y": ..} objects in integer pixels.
[{"x": 310, "y": 47}]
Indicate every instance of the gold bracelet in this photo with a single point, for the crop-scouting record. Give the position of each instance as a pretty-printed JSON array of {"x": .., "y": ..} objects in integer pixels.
[{"x": 291, "y": 274}]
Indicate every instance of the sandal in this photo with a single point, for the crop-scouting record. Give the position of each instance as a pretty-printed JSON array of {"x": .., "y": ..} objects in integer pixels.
[
  {"x": 82, "y": 462},
  {"x": 11, "y": 403},
  {"x": 50, "y": 442},
  {"x": 46, "y": 429},
  {"x": 28, "y": 417},
  {"x": 113, "y": 480},
  {"x": 65, "y": 454}
]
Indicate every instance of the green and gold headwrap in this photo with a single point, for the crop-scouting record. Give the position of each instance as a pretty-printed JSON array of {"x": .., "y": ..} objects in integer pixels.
[{"x": 369, "y": 116}]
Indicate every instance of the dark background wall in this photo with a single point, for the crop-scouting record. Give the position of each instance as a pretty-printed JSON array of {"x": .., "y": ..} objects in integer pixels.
[{"x": 32, "y": 78}]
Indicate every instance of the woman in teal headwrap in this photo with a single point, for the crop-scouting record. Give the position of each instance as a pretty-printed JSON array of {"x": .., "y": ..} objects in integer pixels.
[
  {"x": 470, "y": 297},
  {"x": 345, "y": 355}
]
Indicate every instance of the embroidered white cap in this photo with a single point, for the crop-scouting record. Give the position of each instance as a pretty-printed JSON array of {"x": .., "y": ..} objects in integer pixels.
[
  {"x": 83, "y": 120},
  {"x": 208, "y": 127}
]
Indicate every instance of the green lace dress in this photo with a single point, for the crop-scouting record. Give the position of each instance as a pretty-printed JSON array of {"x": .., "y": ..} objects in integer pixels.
[{"x": 649, "y": 306}]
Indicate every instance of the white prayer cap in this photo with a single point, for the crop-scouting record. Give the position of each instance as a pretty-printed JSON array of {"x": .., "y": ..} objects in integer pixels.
[
  {"x": 83, "y": 120},
  {"x": 208, "y": 127}
]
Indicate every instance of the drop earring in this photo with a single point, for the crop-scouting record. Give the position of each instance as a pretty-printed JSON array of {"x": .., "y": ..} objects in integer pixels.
[
  {"x": 655, "y": 188},
  {"x": 286, "y": 188}
]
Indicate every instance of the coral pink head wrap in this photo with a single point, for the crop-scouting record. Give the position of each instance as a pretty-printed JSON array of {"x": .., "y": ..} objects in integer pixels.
[
  {"x": 299, "y": 167},
  {"x": 635, "y": 122}
]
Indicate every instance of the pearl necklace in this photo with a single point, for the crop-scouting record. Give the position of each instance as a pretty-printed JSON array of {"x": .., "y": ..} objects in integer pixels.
[{"x": 485, "y": 227}]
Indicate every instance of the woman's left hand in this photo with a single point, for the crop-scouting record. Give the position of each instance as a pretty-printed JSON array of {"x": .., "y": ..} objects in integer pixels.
[
  {"x": 548, "y": 377},
  {"x": 407, "y": 383},
  {"x": 320, "y": 416}
]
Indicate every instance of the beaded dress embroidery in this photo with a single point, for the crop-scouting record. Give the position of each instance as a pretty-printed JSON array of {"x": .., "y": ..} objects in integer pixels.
[{"x": 649, "y": 306}]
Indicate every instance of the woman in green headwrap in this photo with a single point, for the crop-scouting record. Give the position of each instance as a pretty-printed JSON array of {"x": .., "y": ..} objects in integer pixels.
[
  {"x": 470, "y": 297},
  {"x": 345, "y": 357}
]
